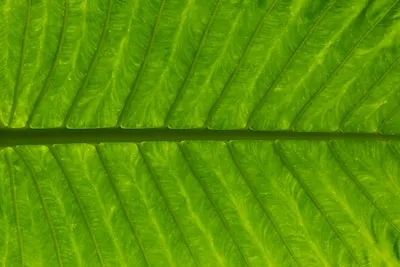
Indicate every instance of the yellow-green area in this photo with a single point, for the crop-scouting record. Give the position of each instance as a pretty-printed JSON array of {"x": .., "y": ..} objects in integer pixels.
[{"x": 200, "y": 133}]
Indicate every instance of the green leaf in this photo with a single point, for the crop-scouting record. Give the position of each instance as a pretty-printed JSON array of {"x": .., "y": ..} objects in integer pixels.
[{"x": 200, "y": 133}]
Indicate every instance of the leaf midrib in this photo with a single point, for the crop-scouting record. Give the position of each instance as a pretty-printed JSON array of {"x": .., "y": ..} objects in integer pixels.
[{"x": 28, "y": 136}]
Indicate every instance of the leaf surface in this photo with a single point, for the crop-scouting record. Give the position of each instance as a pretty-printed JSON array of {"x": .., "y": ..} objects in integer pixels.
[{"x": 200, "y": 133}]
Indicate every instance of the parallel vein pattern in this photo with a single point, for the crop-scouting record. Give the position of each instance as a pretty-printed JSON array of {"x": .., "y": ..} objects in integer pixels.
[
  {"x": 232, "y": 154},
  {"x": 281, "y": 65},
  {"x": 103, "y": 163},
  {"x": 200, "y": 133},
  {"x": 76, "y": 197},
  {"x": 215, "y": 208},
  {"x": 15, "y": 209},
  {"x": 341, "y": 65},
  {"x": 92, "y": 65},
  {"x": 22, "y": 59},
  {"x": 279, "y": 152},
  {"x": 213, "y": 204}
]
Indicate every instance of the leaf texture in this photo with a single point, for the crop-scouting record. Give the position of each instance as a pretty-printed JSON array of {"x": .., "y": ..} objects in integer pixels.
[{"x": 200, "y": 133}]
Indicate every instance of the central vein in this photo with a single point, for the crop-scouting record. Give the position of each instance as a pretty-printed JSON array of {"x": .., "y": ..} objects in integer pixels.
[{"x": 27, "y": 136}]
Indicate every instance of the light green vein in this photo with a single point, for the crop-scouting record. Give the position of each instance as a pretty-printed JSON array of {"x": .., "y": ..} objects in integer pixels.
[
  {"x": 219, "y": 213},
  {"x": 92, "y": 66},
  {"x": 266, "y": 211},
  {"x": 108, "y": 172},
  {"x": 21, "y": 62},
  {"x": 389, "y": 117},
  {"x": 364, "y": 191},
  {"x": 46, "y": 212},
  {"x": 395, "y": 185},
  {"x": 366, "y": 95},
  {"x": 14, "y": 199},
  {"x": 221, "y": 54},
  {"x": 262, "y": 100},
  {"x": 6, "y": 240},
  {"x": 54, "y": 65},
  {"x": 78, "y": 202},
  {"x": 154, "y": 221},
  {"x": 174, "y": 45},
  {"x": 133, "y": 90},
  {"x": 227, "y": 85},
  {"x": 304, "y": 108},
  {"x": 182, "y": 88},
  {"x": 279, "y": 152},
  {"x": 356, "y": 221},
  {"x": 105, "y": 218},
  {"x": 161, "y": 192}
]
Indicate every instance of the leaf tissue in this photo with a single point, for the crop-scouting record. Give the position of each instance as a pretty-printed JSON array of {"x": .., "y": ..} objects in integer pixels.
[{"x": 200, "y": 133}]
